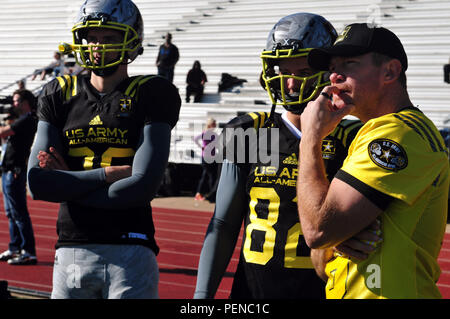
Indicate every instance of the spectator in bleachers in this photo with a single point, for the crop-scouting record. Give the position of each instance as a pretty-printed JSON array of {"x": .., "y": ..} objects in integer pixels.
[
  {"x": 21, "y": 84},
  {"x": 70, "y": 65},
  {"x": 447, "y": 72},
  {"x": 195, "y": 80},
  {"x": 209, "y": 168},
  {"x": 73, "y": 68},
  {"x": 168, "y": 56},
  {"x": 20, "y": 134},
  {"x": 53, "y": 68}
]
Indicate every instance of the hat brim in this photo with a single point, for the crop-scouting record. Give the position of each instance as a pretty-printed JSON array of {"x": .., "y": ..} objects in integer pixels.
[{"x": 319, "y": 59}]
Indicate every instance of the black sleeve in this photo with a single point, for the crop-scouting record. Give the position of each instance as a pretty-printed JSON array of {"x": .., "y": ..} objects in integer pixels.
[
  {"x": 23, "y": 123},
  {"x": 50, "y": 103},
  {"x": 378, "y": 198},
  {"x": 161, "y": 101}
]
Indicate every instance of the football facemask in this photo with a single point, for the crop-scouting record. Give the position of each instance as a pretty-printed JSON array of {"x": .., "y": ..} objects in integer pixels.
[
  {"x": 275, "y": 82},
  {"x": 84, "y": 52}
]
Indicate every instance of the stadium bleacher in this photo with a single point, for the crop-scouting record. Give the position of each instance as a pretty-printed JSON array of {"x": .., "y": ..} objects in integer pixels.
[{"x": 227, "y": 36}]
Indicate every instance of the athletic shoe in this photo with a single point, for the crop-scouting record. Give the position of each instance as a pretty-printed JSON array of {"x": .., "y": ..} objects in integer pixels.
[
  {"x": 24, "y": 258},
  {"x": 8, "y": 254},
  {"x": 199, "y": 196}
]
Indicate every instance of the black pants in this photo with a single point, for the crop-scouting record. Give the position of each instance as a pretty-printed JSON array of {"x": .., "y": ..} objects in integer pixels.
[
  {"x": 198, "y": 91},
  {"x": 208, "y": 176}
]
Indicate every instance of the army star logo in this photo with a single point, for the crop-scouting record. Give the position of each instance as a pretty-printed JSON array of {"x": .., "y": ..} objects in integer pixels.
[
  {"x": 125, "y": 105},
  {"x": 388, "y": 154},
  {"x": 328, "y": 147}
]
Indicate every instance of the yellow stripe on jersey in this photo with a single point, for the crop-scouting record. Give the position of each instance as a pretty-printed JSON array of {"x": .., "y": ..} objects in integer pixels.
[
  {"x": 68, "y": 86},
  {"x": 136, "y": 83},
  {"x": 62, "y": 84},
  {"x": 259, "y": 118},
  {"x": 142, "y": 81},
  {"x": 413, "y": 225},
  {"x": 345, "y": 127},
  {"x": 75, "y": 85},
  {"x": 61, "y": 81},
  {"x": 148, "y": 77},
  {"x": 348, "y": 129},
  {"x": 420, "y": 127},
  {"x": 436, "y": 136},
  {"x": 132, "y": 85}
]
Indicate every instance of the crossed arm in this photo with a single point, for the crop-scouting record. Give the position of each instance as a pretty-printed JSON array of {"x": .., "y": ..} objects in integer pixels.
[
  {"x": 332, "y": 214},
  {"x": 109, "y": 187}
]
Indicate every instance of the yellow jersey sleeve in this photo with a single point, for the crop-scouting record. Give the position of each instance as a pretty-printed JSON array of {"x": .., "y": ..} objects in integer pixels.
[{"x": 398, "y": 154}]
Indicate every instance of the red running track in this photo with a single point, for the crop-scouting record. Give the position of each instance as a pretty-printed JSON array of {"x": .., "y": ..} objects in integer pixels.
[{"x": 179, "y": 234}]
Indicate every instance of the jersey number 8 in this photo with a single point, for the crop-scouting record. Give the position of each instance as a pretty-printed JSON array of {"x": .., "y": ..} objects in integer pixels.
[{"x": 265, "y": 225}]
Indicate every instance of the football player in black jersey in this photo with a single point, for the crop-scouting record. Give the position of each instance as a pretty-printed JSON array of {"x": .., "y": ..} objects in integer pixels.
[
  {"x": 275, "y": 261},
  {"x": 101, "y": 148}
]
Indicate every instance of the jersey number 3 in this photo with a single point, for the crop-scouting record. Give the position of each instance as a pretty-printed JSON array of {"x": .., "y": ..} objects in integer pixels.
[{"x": 265, "y": 225}]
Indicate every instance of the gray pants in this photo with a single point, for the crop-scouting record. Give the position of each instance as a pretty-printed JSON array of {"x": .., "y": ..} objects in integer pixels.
[{"x": 105, "y": 272}]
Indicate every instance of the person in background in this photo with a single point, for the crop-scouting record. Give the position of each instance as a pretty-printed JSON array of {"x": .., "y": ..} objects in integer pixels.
[
  {"x": 209, "y": 169},
  {"x": 168, "y": 56},
  {"x": 53, "y": 68},
  {"x": 19, "y": 132},
  {"x": 21, "y": 84},
  {"x": 195, "y": 79}
]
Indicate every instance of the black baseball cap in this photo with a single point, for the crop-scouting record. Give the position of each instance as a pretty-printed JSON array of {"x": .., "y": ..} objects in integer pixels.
[{"x": 358, "y": 39}]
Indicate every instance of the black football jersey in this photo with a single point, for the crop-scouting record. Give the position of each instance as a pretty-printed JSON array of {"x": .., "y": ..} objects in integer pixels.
[
  {"x": 275, "y": 261},
  {"x": 99, "y": 131}
]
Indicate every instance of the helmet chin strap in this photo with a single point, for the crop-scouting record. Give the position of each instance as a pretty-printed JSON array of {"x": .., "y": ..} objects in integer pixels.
[
  {"x": 296, "y": 109},
  {"x": 272, "y": 112},
  {"x": 299, "y": 108},
  {"x": 104, "y": 72}
]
